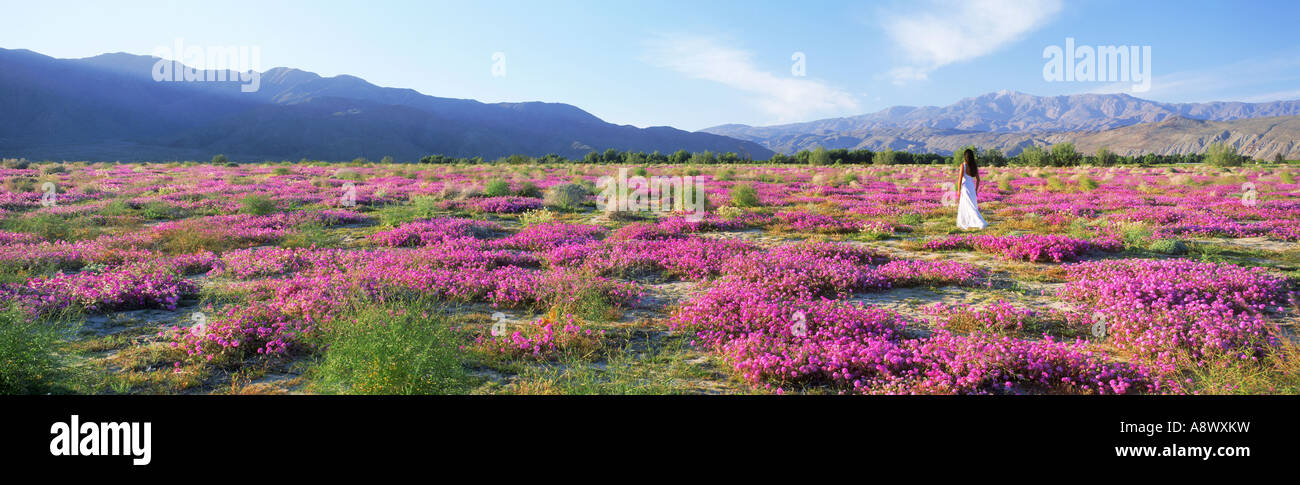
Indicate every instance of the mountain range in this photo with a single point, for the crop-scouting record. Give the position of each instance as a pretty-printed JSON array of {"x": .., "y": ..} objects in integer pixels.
[
  {"x": 109, "y": 107},
  {"x": 1011, "y": 121}
]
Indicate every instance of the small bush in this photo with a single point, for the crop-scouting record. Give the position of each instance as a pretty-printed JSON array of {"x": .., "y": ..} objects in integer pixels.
[
  {"x": 52, "y": 227},
  {"x": 528, "y": 189},
  {"x": 911, "y": 219},
  {"x": 568, "y": 196},
  {"x": 29, "y": 362},
  {"x": 744, "y": 195},
  {"x": 398, "y": 348},
  {"x": 1168, "y": 246},
  {"x": 256, "y": 204},
  {"x": 1136, "y": 236},
  {"x": 535, "y": 217},
  {"x": 20, "y": 184},
  {"x": 497, "y": 188},
  {"x": 313, "y": 234},
  {"x": 728, "y": 212},
  {"x": 159, "y": 210},
  {"x": 117, "y": 208}
]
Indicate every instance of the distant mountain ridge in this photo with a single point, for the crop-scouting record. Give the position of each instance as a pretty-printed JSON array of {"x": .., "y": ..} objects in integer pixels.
[
  {"x": 1258, "y": 138},
  {"x": 990, "y": 118},
  {"x": 108, "y": 107}
]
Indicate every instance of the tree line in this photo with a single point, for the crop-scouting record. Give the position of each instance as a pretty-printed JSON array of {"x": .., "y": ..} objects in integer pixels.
[{"x": 1058, "y": 155}]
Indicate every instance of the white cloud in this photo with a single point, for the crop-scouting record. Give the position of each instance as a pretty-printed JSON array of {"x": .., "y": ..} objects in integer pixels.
[
  {"x": 1252, "y": 80},
  {"x": 950, "y": 31},
  {"x": 786, "y": 97}
]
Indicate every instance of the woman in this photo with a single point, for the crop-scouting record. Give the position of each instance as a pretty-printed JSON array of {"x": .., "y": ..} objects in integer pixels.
[{"x": 968, "y": 210}]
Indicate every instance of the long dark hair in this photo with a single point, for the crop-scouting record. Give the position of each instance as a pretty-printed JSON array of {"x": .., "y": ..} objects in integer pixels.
[{"x": 972, "y": 168}]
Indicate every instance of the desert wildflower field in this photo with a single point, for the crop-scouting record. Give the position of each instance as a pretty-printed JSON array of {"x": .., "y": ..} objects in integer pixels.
[{"x": 188, "y": 278}]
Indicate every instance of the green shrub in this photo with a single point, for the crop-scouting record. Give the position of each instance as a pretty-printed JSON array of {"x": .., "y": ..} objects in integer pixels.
[
  {"x": 20, "y": 184},
  {"x": 29, "y": 361},
  {"x": 1136, "y": 236},
  {"x": 394, "y": 348},
  {"x": 568, "y": 196},
  {"x": 311, "y": 234},
  {"x": 911, "y": 219},
  {"x": 160, "y": 210},
  {"x": 528, "y": 189},
  {"x": 53, "y": 227},
  {"x": 1168, "y": 246},
  {"x": 15, "y": 163},
  {"x": 421, "y": 207},
  {"x": 117, "y": 208},
  {"x": 257, "y": 204},
  {"x": 497, "y": 188},
  {"x": 1055, "y": 184},
  {"x": 744, "y": 195}
]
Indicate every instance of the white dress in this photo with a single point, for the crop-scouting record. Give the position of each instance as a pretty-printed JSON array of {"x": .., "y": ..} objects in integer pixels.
[{"x": 968, "y": 211}]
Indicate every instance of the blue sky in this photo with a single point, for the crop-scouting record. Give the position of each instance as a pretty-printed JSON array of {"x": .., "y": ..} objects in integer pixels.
[{"x": 695, "y": 64}]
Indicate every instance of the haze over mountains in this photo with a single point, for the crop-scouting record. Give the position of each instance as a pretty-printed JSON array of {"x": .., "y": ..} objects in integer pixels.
[
  {"x": 108, "y": 107},
  {"x": 1011, "y": 121}
]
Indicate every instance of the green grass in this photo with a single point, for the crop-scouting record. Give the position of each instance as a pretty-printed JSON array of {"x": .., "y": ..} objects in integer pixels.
[
  {"x": 394, "y": 348},
  {"x": 911, "y": 219},
  {"x": 54, "y": 227},
  {"x": 159, "y": 210},
  {"x": 29, "y": 359},
  {"x": 744, "y": 195},
  {"x": 1168, "y": 246},
  {"x": 652, "y": 367},
  {"x": 256, "y": 204},
  {"x": 312, "y": 234},
  {"x": 1276, "y": 373}
]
